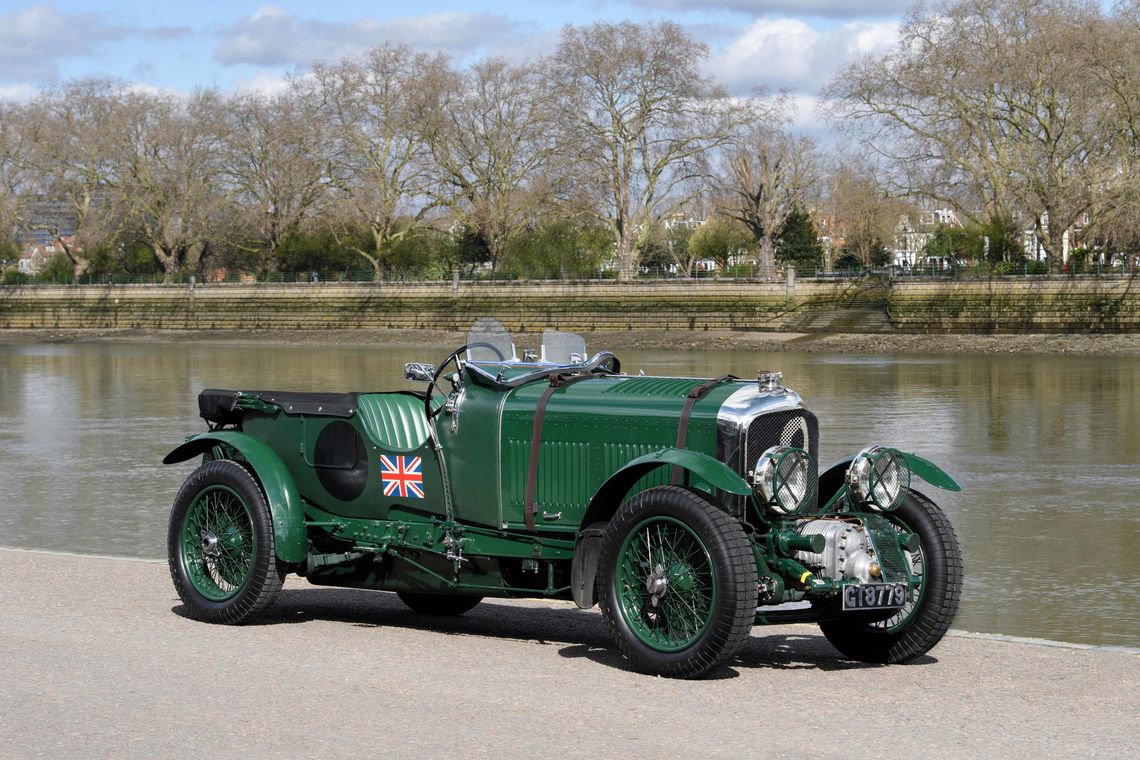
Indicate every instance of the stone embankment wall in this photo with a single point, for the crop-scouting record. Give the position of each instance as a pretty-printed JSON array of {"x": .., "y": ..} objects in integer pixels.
[
  {"x": 1017, "y": 305},
  {"x": 997, "y": 305},
  {"x": 519, "y": 305}
]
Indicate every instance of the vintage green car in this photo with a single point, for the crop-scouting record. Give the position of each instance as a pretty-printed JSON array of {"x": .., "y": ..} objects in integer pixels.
[{"x": 688, "y": 509}]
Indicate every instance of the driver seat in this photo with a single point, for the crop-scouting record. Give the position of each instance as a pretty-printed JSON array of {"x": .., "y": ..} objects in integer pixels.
[{"x": 394, "y": 421}]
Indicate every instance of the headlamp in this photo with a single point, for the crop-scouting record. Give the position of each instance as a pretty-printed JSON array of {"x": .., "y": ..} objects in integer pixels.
[
  {"x": 785, "y": 479},
  {"x": 879, "y": 477}
]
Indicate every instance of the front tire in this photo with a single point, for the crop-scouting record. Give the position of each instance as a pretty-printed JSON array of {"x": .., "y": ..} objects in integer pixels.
[
  {"x": 220, "y": 545},
  {"x": 918, "y": 626},
  {"x": 677, "y": 583}
]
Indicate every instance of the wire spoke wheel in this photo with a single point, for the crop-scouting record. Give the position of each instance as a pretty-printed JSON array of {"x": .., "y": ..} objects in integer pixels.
[
  {"x": 666, "y": 584},
  {"x": 916, "y": 562},
  {"x": 677, "y": 582},
  {"x": 218, "y": 543},
  {"x": 936, "y": 588},
  {"x": 221, "y": 545}
]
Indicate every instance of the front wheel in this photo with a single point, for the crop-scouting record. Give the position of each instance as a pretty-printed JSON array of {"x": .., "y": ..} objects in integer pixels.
[
  {"x": 936, "y": 574},
  {"x": 677, "y": 583},
  {"x": 220, "y": 545}
]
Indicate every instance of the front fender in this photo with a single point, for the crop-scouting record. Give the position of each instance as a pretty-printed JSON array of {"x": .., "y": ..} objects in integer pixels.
[
  {"x": 284, "y": 499},
  {"x": 833, "y": 478},
  {"x": 610, "y": 494}
]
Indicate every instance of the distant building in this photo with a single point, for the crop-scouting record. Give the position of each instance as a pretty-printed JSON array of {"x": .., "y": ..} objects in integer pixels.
[
  {"x": 40, "y": 247},
  {"x": 1032, "y": 244},
  {"x": 912, "y": 235}
]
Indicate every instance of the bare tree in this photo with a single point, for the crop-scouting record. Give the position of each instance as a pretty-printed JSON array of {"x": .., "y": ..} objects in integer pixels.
[
  {"x": 862, "y": 215},
  {"x": 15, "y": 169},
  {"x": 769, "y": 170},
  {"x": 277, "y": 164},
  {"x": 71, "y": 157},
  {"x": 639, "y": 120},
  {"x": 380, "y": 158},
  {"x": 165, "y": 152},
  {"x": 990, "y": 100},
  {"x": 1115, "y": 66},
  {"x": 489, "y": 133}
]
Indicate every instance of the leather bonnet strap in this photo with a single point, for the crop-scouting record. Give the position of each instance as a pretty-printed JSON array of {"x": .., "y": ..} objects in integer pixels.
[
  {"x": 695, "y": 395},
  {"x": 557, "y": 380}
]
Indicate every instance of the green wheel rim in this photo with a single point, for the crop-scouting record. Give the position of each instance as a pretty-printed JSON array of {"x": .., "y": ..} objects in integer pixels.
[
  {"x": 917, "y": 563},
  {"x": 218, "y": 543},
  {"x": 665, "y": 584}
]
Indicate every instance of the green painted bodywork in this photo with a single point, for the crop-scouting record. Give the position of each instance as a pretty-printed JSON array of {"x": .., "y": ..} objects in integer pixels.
[
  {"x": 604, "y": 438},
  {"x": 930, "y": 472},
  {"x": 276, "y": 482}
]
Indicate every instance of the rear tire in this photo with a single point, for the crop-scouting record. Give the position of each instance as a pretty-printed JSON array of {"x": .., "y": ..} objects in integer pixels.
[
  {"x": 915, "y": 629},
  {"x": 220, "y": 545},
  {"x": 677, "y": 583}
]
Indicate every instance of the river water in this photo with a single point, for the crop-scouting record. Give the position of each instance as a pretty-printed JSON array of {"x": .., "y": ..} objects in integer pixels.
[{"x": 1046, "y": 447}]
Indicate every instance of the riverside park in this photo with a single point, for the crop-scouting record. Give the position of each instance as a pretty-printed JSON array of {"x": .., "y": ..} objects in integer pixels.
[
  {"x": 581, "y": 379},
  {"x": 1042, "y": 658}
]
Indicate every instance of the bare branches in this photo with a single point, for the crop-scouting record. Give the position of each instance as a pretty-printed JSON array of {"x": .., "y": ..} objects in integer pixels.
[
  {"x": 767, "y": 171},
  {"x": 995, "y": 109},
  {"x": 638, "y": 122},
  {"x": 489, "y": 135}
]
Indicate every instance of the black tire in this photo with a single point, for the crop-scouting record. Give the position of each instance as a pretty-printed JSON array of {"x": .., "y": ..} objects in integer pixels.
[
  {"x": 220, "y": 545},
  {"x": 922, "y": 624},
  {"x": 439, "y": 605},
  {"x": 705, "y": 601}
]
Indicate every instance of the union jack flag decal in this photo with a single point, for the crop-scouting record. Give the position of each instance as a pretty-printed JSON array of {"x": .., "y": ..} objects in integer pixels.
[{"x": 403, "y": 476}]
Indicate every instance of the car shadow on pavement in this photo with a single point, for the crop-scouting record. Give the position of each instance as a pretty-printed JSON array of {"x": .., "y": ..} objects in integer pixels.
[
  {"x": 544, "y": 623},
  {"x": 578, "y": 633}
]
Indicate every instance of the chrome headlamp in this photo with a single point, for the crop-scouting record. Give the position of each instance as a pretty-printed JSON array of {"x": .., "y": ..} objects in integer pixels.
[
  {"x": 785, "y": 479},
  {"x": 879, "y": 477}
]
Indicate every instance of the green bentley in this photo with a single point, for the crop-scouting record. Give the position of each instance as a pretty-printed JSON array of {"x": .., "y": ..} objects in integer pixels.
[{"x": 688, "y": 509}]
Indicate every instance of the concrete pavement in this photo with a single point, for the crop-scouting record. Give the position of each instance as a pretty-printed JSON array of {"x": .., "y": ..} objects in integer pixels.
[{"x": 97, "y": 661}]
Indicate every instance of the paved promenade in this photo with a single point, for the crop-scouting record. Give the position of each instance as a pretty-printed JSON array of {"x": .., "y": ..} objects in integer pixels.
[{"x": 97, "y": 661}]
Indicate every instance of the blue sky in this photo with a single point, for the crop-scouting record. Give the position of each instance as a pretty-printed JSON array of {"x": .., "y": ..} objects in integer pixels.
[{"x": 236, "y": 45}]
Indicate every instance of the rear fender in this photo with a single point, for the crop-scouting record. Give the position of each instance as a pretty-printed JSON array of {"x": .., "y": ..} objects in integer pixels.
[{"x": 281, "y": 492}]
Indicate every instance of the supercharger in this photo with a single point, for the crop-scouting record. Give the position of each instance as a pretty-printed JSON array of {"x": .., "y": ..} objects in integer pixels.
[{"x": 848, "y": 553}]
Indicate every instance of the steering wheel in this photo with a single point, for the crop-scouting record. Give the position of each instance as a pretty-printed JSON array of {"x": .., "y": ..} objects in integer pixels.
[
  {"x": 499, "y": 355},
  {"x": 453, "y": 357},
  {"x": 606, "y": 362}
]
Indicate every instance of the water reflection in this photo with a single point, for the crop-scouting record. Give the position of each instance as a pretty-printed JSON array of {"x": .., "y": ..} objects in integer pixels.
[{"x": 1044, "y": 446}]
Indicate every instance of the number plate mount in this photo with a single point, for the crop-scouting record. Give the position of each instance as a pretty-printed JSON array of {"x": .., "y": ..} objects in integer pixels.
[{"x": 874, "y": 596}]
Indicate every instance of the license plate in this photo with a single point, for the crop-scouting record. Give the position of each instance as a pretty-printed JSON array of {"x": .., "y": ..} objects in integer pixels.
[{"x": 874, "y": 596}]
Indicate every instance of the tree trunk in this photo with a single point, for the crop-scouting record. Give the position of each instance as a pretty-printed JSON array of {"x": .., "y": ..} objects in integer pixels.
[
  {"x": 766, "y": 258},
  {"x": 169, "y": 266},
  {"x": 627, "y": 263},
  {"x": 1047, "y": 242}
]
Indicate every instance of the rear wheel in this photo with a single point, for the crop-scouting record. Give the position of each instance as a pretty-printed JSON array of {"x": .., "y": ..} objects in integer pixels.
[
  {"x": 936, "y": 575},
  {"x": 677, "y": 583},
  {"x": 442, "y": 605},
  {"x": 220, "y": 545}
]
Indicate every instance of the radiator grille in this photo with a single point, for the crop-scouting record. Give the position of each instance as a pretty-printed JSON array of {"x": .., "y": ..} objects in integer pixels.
[{"x": 797, "y": 427}]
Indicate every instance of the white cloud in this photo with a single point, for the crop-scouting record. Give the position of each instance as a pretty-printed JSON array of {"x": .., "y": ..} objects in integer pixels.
[
  {"x": 273, "y": 36},
  {"x": 34, "y": 40},
  {"x": 788, "y": 53},
  {"x": 19, "y": 92},
  {"x": 265, "y": 81},
  {"x": 826, "y": 8}
]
